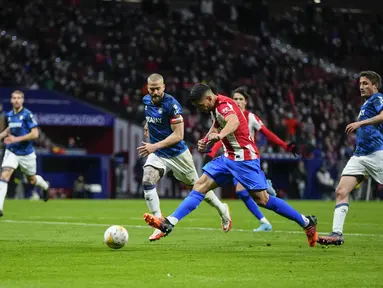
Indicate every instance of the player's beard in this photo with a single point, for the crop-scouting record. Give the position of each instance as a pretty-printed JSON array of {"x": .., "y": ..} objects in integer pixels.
[{"x": 156, "y": 99}]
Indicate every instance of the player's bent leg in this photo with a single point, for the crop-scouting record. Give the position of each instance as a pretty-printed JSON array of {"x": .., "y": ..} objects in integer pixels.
[
  {"x": 190, "y": 203},
  {"x": 150, "y": 177},
  {"x": 308, "y": 223},
  {"x": 346, "y": 185},
  {"x": 253, "y": 208},
  {"x": 6, "y": 173},
  {"x": 40, "y": 182}
]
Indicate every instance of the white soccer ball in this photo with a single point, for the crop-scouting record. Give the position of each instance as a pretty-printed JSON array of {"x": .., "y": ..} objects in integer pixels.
[{"x": 116, "y": 237}]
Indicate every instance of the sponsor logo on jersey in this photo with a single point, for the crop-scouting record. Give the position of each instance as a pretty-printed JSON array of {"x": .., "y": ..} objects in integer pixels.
[
  {"x": 15, "y": 125},
  {"x": 153, "y": 120}
]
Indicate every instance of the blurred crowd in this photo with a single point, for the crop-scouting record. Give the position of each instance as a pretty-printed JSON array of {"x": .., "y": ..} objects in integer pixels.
[
  {"x": 103, "y": 54},
  {"x": 351, "y": 38}
]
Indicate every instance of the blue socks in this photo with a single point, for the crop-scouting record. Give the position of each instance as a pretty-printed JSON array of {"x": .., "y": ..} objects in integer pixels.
[
  {"x": 250, "y": 204},
  {"x": 282, "y": 208},
  {"x": 188, "y": 205}
]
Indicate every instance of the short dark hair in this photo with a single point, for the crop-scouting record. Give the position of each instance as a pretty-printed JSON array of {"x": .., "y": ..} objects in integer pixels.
[
  {"x": 198, "y": 91},
  {"x": 243, "y": 91},
  {"x": 373, "y": 77}
]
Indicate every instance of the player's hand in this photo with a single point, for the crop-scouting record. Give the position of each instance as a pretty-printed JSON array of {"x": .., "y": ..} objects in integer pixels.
[
  {"x": 352, "y": 127},
  {"x": 146, "y": 149},
  {"x": 214, "y": 137},
  {"x": 201, "y": 145},
  {"x": 10, "y": 139},
  {"x": 292, "y": 149}
]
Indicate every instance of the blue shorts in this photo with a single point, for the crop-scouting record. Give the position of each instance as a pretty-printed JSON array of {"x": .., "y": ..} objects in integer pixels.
[{"x": 225, "y": 171}]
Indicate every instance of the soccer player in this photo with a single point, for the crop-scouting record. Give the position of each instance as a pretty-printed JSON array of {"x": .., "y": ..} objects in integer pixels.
[
  {"x": 368, "y": 155},
  {"x": 168, "y": 152},
  {"x": 21, "y": 131},
  {"x": 255, "y": 124},
  {"x": 240, "y": 163}
]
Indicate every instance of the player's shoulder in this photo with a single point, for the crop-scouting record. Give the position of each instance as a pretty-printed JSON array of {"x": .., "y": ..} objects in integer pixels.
[
  {"x": 170, "y": 100},
  {"x": 146, "y": 99},
  {"x": 9, "y": 113},
  {"x": 27, "y": 111},
  {"x": 222, "y": 99}
]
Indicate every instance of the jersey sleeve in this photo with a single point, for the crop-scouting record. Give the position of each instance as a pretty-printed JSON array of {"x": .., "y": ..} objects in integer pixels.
[
  {"x": 225, "y": 109},
  {"x": 255, "y": 122},
  {"x": 31, "y": 121},
  {"x": 175, "y": 112},
  {"x": 378, "y": 104}
]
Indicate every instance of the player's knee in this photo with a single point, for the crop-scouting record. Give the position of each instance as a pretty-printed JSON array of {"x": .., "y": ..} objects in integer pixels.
[
  {"x": 31, "y": 180},
  {"x": 203, "y": 185},
  {"x": 261, "y": 198},
  {"x": 6, "y": 174},
  {"x": 341, "y": 192},
  {"x": 151, "y": 176}
]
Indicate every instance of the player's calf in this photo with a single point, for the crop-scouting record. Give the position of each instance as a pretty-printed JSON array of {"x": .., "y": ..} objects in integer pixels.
[
  {"x": 39, "y": 181},
  {"x": 282, "y": 208},
  {"x": 5, "y": 175}
]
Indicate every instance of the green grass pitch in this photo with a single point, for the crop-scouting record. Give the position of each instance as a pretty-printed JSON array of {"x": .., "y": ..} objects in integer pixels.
[{"x": 60, "y": 244}]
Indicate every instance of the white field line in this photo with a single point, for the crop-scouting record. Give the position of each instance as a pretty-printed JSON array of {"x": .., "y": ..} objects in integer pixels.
[{"x": 185, "y": 228}]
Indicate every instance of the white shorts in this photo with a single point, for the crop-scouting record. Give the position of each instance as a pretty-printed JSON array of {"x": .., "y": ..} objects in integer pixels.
[
  {"x": 27, "y": 162},
  {"x": 182, "y": 166},
  {"x": 371, "y": 164}
]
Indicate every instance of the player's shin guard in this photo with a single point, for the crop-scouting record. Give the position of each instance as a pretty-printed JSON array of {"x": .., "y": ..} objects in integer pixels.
[
  {"x": 282, "y": 208},
  {"x": 213, "y": 201},
  {"x": 187, "y": 206},
  {"x": 152, "y": 200},
  {"x": 40, "y": 182},
  {"x": 250, "y": 204},
  {"x": 339, "y": 218},
  {"x": 3, "y": 193}
]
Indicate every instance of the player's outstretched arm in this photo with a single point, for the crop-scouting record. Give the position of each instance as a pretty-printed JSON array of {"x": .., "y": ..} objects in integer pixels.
[
  {"x": 5, "y": 133},
  {"x": 34, "y": 134},
  {"x": 270, "y": 136},
  {"x": 370, "y": 121}
]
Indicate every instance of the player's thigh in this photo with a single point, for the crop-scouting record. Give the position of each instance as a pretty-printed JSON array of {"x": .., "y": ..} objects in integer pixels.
[
  {"x": 10, "y": 160},
  {"x": 374, "y": 165},
  {"x": 249, "y": 174},
  {"x": 183, "y": 168},
  {"x": 28, "y": 164},
  {"x": 205, "y": 183},
  {"x": 218, "y": 171},
  {"x": 238, "y": 186},
  {"x": 355, "y": 167}
]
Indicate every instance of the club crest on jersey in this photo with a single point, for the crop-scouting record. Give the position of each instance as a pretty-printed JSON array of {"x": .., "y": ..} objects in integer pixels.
[
  {"x": 21, "y": 117},
  {"x": 160, "y": 110}
]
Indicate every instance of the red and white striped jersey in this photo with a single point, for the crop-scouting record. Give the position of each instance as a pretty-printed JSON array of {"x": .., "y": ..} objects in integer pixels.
[
  {"x": 255, "y": 124},
  {"x": 239, "y": 145}
]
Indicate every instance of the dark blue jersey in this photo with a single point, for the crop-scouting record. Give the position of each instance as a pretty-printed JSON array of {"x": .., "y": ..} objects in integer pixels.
[
  {"x": 369, "y": 138},
  {"x": 159, "y": 119},
  {"x": 20, "y": 124}
]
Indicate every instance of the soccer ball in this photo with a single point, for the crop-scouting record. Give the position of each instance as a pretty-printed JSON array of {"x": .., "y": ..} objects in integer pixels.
[{"x": 116, "y": 237}]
